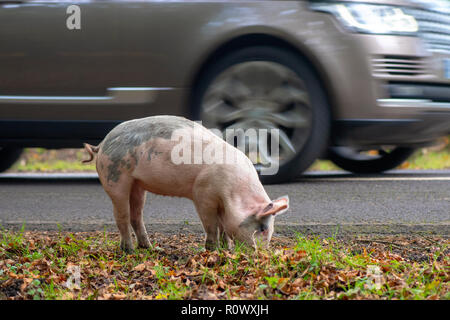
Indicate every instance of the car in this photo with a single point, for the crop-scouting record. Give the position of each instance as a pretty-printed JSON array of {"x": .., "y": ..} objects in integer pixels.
[{"x": 335, "y": 78}]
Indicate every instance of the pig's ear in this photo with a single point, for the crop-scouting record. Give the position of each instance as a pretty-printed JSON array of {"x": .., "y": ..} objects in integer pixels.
[{"x": 275, "y": 208}]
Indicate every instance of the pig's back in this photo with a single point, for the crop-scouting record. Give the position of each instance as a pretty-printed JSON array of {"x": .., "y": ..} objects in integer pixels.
[
  {"x": 131, "y": 134},
  {"x": 142, "y": 148}
]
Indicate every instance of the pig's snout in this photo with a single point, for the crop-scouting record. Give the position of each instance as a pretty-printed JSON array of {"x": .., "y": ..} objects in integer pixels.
[
  {"x": 254, "y": 237},
  {"x": 257, "y": 228},
  {"x": 263, "y": 237}
]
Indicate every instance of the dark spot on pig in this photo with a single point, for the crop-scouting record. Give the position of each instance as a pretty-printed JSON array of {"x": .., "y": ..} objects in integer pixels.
[
  {"x": 124, "y": 138},
  {"x": 114, "y": 169},
  {"x": 152, "y": 152},
  {"x": 113, "y": 172},
  {"x": 134, "y": 157}
]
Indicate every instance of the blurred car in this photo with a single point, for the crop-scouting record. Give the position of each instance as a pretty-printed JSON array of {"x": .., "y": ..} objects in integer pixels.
[{"x": 338, "y": 78}]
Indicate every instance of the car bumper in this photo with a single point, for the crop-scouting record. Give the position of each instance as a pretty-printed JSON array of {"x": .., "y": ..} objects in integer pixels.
[
  {"x": 408, "y": 100},
  {"x": 407, "y": 132}
]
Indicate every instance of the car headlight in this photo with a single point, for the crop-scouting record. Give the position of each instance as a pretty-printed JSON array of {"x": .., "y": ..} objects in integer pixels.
[{"x": 371, "y": 18}]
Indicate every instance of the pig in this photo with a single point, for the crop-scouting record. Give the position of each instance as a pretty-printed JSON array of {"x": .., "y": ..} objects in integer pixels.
[{"x": 138, "y": 156}]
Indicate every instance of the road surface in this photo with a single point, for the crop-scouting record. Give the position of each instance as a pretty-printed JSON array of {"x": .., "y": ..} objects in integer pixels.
[{"x": 321, "y": 203}]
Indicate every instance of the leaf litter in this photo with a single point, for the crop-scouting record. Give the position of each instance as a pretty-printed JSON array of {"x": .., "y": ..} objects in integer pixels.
[{"x": 89, "y": 265}]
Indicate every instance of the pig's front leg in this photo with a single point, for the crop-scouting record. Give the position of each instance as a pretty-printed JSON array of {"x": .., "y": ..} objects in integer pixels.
[
  {"x": 210, "y": 224},
  {"x": 211, "y": 242},
  {"x": 224, "y": 240},
  {"x": 208, "y": 215},
  {"x": 207, "y": 201}
]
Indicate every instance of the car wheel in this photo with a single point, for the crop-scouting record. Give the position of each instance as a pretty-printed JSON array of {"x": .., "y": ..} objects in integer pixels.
[
  {"x": 8, "y": 156},
  {"x": 374, "y": 161},
  {"x": 268, "y": 88}
]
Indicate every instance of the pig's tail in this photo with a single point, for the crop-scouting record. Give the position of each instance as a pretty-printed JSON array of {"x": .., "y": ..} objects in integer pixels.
[{"x": 91, "y": 150}]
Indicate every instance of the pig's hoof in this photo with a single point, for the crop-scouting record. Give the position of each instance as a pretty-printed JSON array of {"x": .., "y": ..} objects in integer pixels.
[
  {"x": 144, "y": 245},
  {"x": 211, "y": 246},
  {"x": 127, "y": 248},
  {"x": 226, "y": 246}
]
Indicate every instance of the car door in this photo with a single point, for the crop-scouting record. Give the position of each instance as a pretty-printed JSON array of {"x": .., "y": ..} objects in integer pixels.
[{"x": 111, "y": 66}]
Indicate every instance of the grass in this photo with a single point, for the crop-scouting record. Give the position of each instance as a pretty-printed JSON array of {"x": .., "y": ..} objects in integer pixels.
[
  {"x": 44, "y": 265},
  {"x": 42, "y": 160},
  {"x": 69, "y": 160},
  {"x": 54, "y": 166},
  {"x": 431, "y": 160},
  {"x": 420, "y": 160}
]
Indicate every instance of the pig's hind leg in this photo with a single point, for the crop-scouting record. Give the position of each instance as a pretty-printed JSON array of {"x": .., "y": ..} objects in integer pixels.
[{"x": 137, "y": 201}]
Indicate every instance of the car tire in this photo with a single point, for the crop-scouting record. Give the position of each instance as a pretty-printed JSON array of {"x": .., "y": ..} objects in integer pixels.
[
  {"x": 351, "y": 161},
  {"x": 316, "y": 140},
  {"x": 8, "y": 156}
]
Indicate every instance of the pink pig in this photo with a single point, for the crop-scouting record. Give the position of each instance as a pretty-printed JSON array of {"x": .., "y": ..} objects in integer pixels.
[{"x": 144, "y": 155}]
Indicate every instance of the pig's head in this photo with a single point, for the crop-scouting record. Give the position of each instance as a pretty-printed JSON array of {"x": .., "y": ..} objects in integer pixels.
[{"x": 257, "y": 227}]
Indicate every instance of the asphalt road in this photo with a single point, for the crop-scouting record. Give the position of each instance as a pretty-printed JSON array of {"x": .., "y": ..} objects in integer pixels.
[{"x": 325, "y": 203}]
